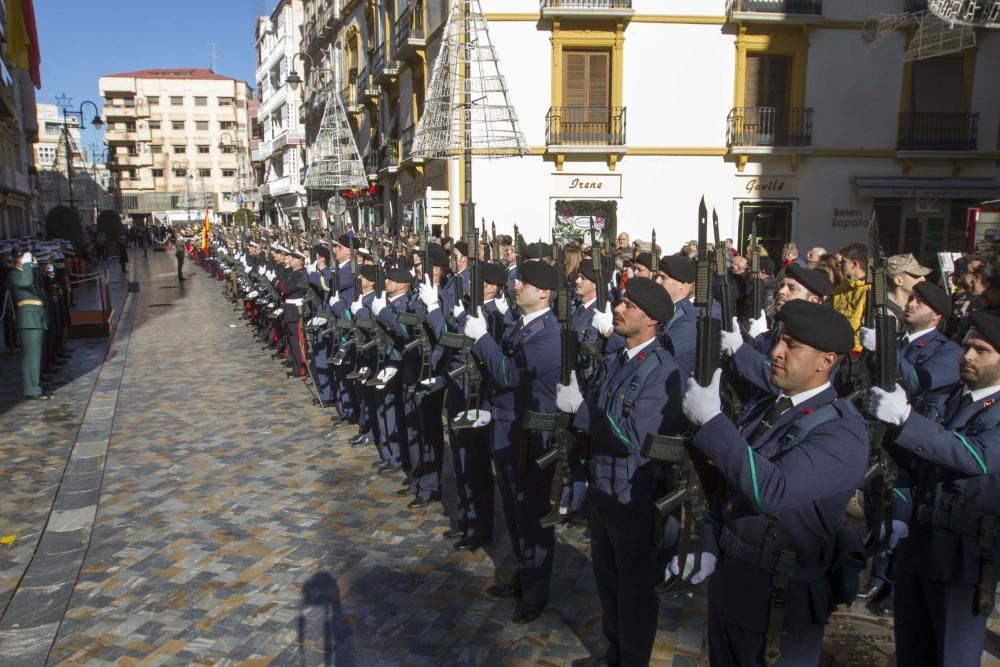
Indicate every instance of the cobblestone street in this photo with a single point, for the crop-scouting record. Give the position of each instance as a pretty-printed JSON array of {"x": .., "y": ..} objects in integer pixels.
[{"x": 233, "y": 524}]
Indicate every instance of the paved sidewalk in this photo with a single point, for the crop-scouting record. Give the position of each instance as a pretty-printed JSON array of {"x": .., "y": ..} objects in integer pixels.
[{"x": 236, "y": 526}]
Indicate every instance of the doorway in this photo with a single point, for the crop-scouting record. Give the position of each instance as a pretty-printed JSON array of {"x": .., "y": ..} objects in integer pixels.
[{"x": 774, "y": 225}]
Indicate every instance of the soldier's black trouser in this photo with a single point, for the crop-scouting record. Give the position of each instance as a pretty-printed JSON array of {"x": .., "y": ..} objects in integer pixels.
[{"x": 624, "y": 560}]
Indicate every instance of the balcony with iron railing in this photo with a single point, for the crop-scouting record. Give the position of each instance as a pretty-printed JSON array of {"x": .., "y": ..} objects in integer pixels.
[
  {"x": 774, "y": 10},
  {"x": 406, "y": 145},
  {"x": 933, "y": 132},
  {"x": 388, "y": 156},
  {"x": 764, "y": 129},
  {"x": 370, "y": 162},
  {"x": 411, "y": 37},
  {"x": 383, "y": 71},
  {"x": 617, "y": 9},
  {"x": 585, "y": 126}
]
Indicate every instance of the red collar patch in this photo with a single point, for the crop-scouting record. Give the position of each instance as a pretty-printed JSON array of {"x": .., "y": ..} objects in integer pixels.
[
  {"x": 640, "y": 356},
  {"x": 988, "y": 402}
]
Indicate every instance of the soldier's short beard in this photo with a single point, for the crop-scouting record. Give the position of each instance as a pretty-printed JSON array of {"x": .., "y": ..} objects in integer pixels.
[{"x": 984, "y": 376}]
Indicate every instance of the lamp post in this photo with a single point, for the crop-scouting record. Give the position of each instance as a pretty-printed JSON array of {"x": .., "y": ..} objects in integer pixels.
[
  {"x": 226, "y": 140},
  {"x": 66, "y": 103}
]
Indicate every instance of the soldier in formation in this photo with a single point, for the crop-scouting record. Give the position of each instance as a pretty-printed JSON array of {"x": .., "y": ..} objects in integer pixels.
[{"x": 704, "y": 448}]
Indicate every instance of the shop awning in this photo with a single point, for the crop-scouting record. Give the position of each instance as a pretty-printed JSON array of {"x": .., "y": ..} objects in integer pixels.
[{"x": 937, "y": 188}]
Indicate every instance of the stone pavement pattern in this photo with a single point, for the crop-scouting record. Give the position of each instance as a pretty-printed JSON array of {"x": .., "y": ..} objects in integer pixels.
[{"x": 236, "y": 526}]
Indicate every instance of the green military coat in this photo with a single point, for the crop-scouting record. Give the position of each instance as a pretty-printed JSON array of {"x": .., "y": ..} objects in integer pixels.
[{"x": 27, "y": 299}]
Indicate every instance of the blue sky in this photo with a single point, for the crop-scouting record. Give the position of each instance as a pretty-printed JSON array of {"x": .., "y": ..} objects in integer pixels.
[{"x": 81, "y": 41}]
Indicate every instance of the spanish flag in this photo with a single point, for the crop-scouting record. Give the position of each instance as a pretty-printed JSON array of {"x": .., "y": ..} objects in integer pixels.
[
  {"x": 205, "y": 231},
  {"x": 22, "y": 39}
]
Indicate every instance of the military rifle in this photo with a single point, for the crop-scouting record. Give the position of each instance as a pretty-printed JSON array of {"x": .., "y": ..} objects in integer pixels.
[
  {"x": 595, "y": 349},
  {"x": 470, "y": 367},
  {"x": 882, "y": 470},
  {"x": 562, "y": 441},
  {"x": 380, "y": 337},
  {"x": 415, "y": 322},
  {"x": 756, "y": 288},
  {"x": 688, "y": 463},
  {"x": 654, "y": 252}
]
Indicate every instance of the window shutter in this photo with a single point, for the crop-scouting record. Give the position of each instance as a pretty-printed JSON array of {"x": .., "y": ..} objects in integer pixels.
[
  {"x": 575, "y": 86},
  {"x": 598, "y": 80}
]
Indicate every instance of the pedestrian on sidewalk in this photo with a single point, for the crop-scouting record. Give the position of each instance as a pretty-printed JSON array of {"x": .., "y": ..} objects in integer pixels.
[
  {"x": 31, "y": 324},
  {"x": 179, "y": 253},
  {"x": 123, "y": 253}
]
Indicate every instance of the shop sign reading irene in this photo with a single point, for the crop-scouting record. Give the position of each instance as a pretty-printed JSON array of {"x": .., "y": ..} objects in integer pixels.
[
  {"x": 767, "y": 187},
  {"x": 601, "y": 186}
]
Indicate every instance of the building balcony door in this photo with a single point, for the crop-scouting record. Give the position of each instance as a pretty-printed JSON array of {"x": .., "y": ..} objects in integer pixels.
[{"x": 774, "y": 225}]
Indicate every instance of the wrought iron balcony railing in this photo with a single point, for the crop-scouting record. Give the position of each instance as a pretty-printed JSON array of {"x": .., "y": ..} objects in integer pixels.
[
  {"x": 406, "y": 143},
  {"x": 770, "y": 126},
  {"x": 586, "y": 4},
  {"x": 388, "y": 155},
  {"x": 801, "y": 7},
  {"x": 410, "y": 33},
  {"x": 938, "y": 131},
  {"x": 585, "y": 126}
]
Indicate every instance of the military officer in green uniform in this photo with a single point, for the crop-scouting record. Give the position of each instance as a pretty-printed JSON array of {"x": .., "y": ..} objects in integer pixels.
[{"x": 31, "y": 323}]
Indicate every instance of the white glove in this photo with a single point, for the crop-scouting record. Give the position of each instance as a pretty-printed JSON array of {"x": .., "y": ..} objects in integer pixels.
[
  {"x": 731, "y": 340},
  {"x": 315, "y": 322},
  {"x": 757, "y": 326},
  {"x": 253, "y": 294},
  {"x": 363, "y": 373},
  {"x": 603, "y": 321},
  {"x": 501, "y": 303},
  {"x": 900, "y": 531},
  {"x": 384, "y": 376},
  {"x": 891, "y": 407},
  {"x": 378, "y": 304},
  {"x": 480, "y": 418},
  {"x": 457, "y": 310},
  {"x": 311, "y": 267},
  {"x": 356, "y": 306},
  {"x": 868, "y": 338},
  {"x": 568, "y": 397},
  {"x": 700, "y": 404},
  {"x": 27, "y": 258},
  {"x": 428, "y": 294},
  {"x": 271, "y": 275},
  {"x": 707, "y": 568},
  {"x": 334, "y": 298},
  {"x": 475, "y": 325}
]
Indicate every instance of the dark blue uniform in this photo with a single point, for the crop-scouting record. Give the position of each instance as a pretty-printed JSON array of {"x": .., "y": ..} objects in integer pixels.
[
  {"x": 524, "y": 371},
  {"x": 956, "y": 486},
  {"x": 618, "y": 416},
  {"x": 323, "y": 346},
  {"x": 344, "y": 389},
  {"x": 682, "y": 330},
  {"x": 780, "y": 496}
]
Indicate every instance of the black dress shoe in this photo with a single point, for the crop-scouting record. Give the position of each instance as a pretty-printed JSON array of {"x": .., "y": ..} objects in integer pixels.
[
  {"x": 387, "y": 469},
  {"x": 419, "y": 501},
  {"x": 358, "y": 438},
  {"x": 452, "y": 533},
  {"x": 591, "y": 661},
  {"x": 364, "y": 442},
  {"x": 378, "y": 464},
  {"x": 526, "y": 613},
  {"x": 870, "y": 591},
  {"x": 40, "y": 397},
  {"x": 405, "y": 491},
  {"x": 472, "y": 543},
  {"x": 510, "y": 589}
]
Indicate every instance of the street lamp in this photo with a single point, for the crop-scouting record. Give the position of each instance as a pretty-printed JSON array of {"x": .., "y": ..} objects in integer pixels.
[
  {"x": 293, "y": 79},
  {"x": 65, "y": 103}
]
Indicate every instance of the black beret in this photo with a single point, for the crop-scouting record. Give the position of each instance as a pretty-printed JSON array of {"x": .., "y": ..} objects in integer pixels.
[
  {"x": 462, "y": 247},
  {"x": 398, "y": 275},
  {"x": 646, "y": 259},
  {"x": 492, "y": 273},
  {"x": 817, "y": 325},
  {"x": 348, "y": 241},
  {"x": 767, "y": 265},
  {"x": 652, "y": 298},
  {"x": 368, "y": 271},
  {"x": 437, "y": 255},
  {"x": 678, "y": 267},
  {"x": 935, "y": 297},
  {"x": 321, "y": 251},
  {"x": 813, "y": 280},
  {"x": 989, "y": 326},
  {"x": 587, "y": 271},
  {"x": 539, "y": 274}
]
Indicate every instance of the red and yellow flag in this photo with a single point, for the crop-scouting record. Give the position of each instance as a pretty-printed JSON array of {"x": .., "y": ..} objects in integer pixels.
[{"x": 205, "y": 231}]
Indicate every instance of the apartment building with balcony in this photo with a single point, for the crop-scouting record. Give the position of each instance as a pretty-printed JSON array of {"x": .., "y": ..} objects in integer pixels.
[
  {"x": 777, "y": 111},
  {"x": 281, "y": 148},
  {"x": 177, "y": 139},
  {"x": 18, "y": 131}
]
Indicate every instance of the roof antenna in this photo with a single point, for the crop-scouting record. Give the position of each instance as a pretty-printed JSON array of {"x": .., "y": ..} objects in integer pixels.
[{"x": 212, "y": 57}]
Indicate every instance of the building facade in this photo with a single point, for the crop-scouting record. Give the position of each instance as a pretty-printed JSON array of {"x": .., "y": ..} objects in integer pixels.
[
  {"x": 281, "y": 149},
  {"x": 178, "y": 141},
  {"x": 780, "y": 112},
  {"x": 18, "y": 131}
]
